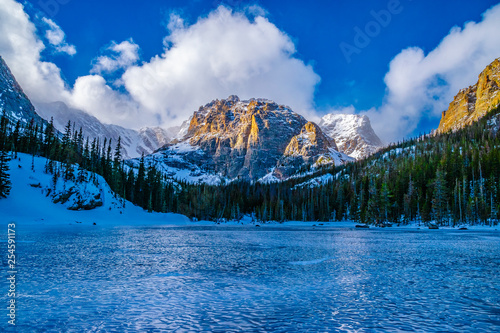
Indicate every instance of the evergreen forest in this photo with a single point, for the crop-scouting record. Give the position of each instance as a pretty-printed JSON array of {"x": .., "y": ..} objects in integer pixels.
[{"x": 449, "y": 179}]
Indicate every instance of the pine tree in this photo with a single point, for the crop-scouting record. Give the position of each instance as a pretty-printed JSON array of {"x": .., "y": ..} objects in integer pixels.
[
  {"x": 408, "y": 200},
  {"x": 139, "y": 183},
  {"x": 15, "y": 138},
  {"x": 373, "y": 202},
  {"x": 118, "y": 152},
  {"x": 66, "y": 140},
  {"x": 385, "y": 200},
  {"x": 440, "y": 198}
]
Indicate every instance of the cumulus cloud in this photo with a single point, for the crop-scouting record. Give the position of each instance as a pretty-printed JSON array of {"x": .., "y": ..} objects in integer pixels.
[
  {"x": 256, "y": 10},
  {"x": 420, "y": 85},
  {"x": 92, "y": 94},
  {"x": 222, "y": 54},
  {"x": 122, "y": 55},
  {"x": 174, "y": 22},
  {"x": 57, "y": 38},
  {"x": 229, "y": 53}
]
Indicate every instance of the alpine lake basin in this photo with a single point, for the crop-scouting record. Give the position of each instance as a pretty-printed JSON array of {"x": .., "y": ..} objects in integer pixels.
[{"x": 246, "y": 279}]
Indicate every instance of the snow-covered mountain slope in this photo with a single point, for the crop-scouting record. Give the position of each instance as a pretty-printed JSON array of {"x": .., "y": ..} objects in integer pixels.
[
  {"x": 316, "y": 181},
  {"x": 13, "y": 100},
  {"x": 353, "y": 134},
  {"x": 233, "y": 139},
  {"x": 134, "y": 143},
  {"x": 35, "y": 199},
  {"x": 322, "y": 180},
  {"x": 179, "y": 132}
]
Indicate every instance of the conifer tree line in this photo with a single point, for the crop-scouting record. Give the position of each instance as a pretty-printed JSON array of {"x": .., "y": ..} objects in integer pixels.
[{"x": 449, "y": 178}]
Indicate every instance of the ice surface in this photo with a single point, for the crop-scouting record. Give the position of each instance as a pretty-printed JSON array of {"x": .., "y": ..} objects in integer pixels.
[
  {"x": 141, "y": 272},
  {"x": 310, "y": 262},
  {"x": 239, "y": 279}
]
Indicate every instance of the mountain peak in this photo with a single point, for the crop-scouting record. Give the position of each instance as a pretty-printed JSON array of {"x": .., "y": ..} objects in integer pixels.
[
  {"x": 249, "y": 139},
  {"x": 353, "y": 134},
  {"x": 223, "y": 117},
  {"x": 233, "y": 98}
]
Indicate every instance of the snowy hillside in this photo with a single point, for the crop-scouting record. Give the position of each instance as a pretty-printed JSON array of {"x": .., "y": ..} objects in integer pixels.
[
  {"x": 35, "y": 197},
  {"x": 353, "y": 134}
]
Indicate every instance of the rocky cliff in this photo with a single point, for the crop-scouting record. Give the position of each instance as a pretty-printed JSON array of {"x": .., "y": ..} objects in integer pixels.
[
  {"x": 353, "y": 134},
  {"x": 249, "y": 140},
  {"x": 310, "y": 147},
  {"x": 473, "y": 102}
]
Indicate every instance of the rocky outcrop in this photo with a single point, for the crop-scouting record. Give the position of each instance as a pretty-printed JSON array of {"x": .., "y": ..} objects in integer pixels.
[
  {"x": 310, "y": 142},
  {"x": 250, "y": 139},
  {"x": 13, "y": 100},
  {"x": 472, "y": 103},
  {"x": 310, "y": 147},
  {"x": 243, "y": 139},
  {"x": 76, "y": 199},
  {"x": 353, "y": 134}
]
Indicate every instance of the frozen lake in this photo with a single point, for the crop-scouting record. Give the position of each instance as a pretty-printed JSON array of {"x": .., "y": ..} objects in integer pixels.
[{"x": 247, "y": 279}]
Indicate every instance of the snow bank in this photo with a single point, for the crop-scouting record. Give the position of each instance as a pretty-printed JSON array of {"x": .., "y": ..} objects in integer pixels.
[{"x": 29, "y": 204}]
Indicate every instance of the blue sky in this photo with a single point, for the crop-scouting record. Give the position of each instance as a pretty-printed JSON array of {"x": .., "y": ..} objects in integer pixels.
[{"x": 316, "y": 29}]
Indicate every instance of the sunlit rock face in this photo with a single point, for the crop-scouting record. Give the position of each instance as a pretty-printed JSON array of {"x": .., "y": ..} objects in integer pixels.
[
  {"x": 250, "y": 139},
  {"x": 473, "y": 102}
]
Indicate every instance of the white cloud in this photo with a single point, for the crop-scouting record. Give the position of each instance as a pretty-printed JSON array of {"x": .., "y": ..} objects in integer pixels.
[
  {"x": 20, "y": 47},
  {"x": 256, "y": 10},
  {"x": 222, "y": 54},
  {"x": 57, "y": 38},
  {"x": 227, "y": 53},
  {"x": 174, "y": 22},
  {"x": 420, "y": 85},
  {"x": 92, "y": 94},
  {"x": 123, "y": 55}
]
